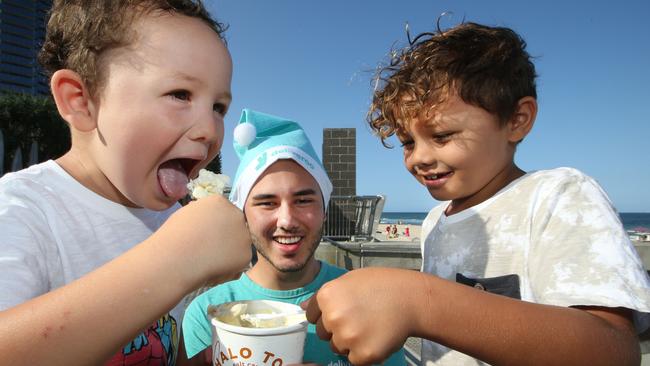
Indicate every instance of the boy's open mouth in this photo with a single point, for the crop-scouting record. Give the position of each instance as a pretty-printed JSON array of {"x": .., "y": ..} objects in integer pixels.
[{"x": 173, "y": 176}]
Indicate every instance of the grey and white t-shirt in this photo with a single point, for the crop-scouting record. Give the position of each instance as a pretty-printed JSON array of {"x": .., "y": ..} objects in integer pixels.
[{"x": 550, "y": 237}]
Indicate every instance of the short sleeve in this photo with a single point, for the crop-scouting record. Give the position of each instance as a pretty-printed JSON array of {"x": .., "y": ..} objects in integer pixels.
[
  {"x": 580, "y": 253},
  {"x": 23, "y": 259},
  {"x": 197, "y": 330}
]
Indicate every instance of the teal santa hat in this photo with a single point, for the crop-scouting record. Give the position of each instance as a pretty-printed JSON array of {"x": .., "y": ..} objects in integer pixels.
[{"x": 260, "y": 140}]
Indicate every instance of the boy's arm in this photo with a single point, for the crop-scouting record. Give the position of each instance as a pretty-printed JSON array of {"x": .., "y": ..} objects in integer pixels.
[
  {"x": 493, "y": 328},
  {"x": 88, "y": 320}
]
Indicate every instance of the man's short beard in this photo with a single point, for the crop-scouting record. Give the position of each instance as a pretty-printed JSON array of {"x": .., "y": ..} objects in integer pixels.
[{"x": 300, "y": 266}]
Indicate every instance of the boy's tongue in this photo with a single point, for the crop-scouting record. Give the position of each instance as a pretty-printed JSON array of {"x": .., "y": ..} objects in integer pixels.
[{"x": 173, "y": 179}]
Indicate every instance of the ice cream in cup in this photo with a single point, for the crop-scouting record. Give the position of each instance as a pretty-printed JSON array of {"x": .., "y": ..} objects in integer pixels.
[{"x": 257, "y": 333}]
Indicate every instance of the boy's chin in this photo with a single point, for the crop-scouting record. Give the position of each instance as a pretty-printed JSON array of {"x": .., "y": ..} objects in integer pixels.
[{"x": 440, "y": 196}]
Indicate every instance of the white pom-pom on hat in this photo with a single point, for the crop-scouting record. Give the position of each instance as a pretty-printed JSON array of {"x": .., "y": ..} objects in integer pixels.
[{"x": 245, "y": 134}]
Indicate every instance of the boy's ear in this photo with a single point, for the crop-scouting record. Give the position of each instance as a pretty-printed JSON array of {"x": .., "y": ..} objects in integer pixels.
[
  {"x": 73, "y": 100},
  {"x": 523, "y": 119}
]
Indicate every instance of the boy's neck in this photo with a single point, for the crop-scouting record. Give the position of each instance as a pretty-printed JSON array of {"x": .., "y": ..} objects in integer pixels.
[
  {"x": 88, "y": 175},
  {"x": 502, "y": 179}
]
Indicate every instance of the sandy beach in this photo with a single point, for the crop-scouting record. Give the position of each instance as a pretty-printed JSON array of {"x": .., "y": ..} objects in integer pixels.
[{"x": 402, "y": 233}]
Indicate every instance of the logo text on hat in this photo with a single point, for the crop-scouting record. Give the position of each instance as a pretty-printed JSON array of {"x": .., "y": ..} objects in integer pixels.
[{"x": 294, "y": 155}]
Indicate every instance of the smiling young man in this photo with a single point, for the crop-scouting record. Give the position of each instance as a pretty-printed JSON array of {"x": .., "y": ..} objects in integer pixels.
[
  {"x": 283, "y": 189},
  {"x": 285, "y": 213}
]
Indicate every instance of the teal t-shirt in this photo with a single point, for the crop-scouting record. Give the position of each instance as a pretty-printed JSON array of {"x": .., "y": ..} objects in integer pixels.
[{"x": 197, "y": 330}]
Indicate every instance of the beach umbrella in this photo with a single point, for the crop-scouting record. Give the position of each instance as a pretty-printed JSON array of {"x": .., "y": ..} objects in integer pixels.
[
  {"x": 33, "y": 154},
  {"x": 2, "y": 153},
  {"x": 17, "y": 163}
]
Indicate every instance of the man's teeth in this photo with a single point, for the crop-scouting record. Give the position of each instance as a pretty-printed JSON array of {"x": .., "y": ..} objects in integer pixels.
[{"x": 288, "y": 240}]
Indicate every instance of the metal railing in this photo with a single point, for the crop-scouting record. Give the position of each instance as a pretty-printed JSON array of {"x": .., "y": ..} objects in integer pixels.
[
  {"x": 353, "y": 218},
  {"x": 352, "y": 255}
]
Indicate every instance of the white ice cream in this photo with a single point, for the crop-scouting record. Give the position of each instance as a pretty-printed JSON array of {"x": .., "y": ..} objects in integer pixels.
[
  {"x": 238, "y": 315},
  {"x": 207, "y": 184}
]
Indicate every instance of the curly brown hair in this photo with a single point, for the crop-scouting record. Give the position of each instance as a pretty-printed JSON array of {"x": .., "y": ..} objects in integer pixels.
[
  {"x": 487, "y": 67},
  {"x": 79, "y": 32}
]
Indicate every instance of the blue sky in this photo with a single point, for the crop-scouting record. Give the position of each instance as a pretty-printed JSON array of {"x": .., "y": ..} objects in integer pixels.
[{"x": 312, "y": 61}]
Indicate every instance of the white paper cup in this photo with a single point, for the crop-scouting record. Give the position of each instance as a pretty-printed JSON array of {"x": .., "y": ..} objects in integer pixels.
[{"x": 235, "y": 345}]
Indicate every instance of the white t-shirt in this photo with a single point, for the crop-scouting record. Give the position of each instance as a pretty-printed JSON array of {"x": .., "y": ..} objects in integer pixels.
[
  {"x": 550, "y": 237},
  {"x": 55, "y": 230}
]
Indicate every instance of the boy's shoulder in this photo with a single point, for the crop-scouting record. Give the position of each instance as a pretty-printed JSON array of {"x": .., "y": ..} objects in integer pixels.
[
  {"x": 561, "y": 174},
  {"x": 31, "y": 187},
  {"x": 547, "y": 182},
  {"x": 37, "y": 174},
  {"x": 40, "y": 183},
  {"x": 537, "y": 186}
]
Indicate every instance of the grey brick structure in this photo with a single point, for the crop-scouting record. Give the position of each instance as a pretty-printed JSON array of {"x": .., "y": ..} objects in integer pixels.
[{"x": 340, "y": 159}]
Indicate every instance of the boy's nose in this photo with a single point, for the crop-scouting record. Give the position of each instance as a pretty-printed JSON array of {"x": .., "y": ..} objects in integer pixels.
[
  {"x": 422, "y": 155},
  {"x": 207, "y": 128}
]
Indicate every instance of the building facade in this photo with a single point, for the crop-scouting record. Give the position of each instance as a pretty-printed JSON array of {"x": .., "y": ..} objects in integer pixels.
[{"x": 22, "y": 30}]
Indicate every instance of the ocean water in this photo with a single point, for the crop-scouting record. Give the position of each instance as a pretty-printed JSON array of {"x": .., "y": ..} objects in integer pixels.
[{"x": 631, "y": 220}]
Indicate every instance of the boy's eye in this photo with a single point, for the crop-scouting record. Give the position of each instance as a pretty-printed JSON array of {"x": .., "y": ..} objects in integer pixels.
[
  {"x": 407, "y": 144},
  {"x": 442, "y": 137},
  {"x": 220, "y": 108},
  {"x": 183, "y": 95}
]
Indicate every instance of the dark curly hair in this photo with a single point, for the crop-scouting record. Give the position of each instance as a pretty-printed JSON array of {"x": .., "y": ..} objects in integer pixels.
[
  {"x": 79, "y": 32},
  {"x": 487, "y": 67}
]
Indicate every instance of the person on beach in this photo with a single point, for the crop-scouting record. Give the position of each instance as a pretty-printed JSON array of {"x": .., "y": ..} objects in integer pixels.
[
  {"x": 284, "y": 200},
  {"x": 95, "y": 252},
  {"x": 519, "y": 268}
]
